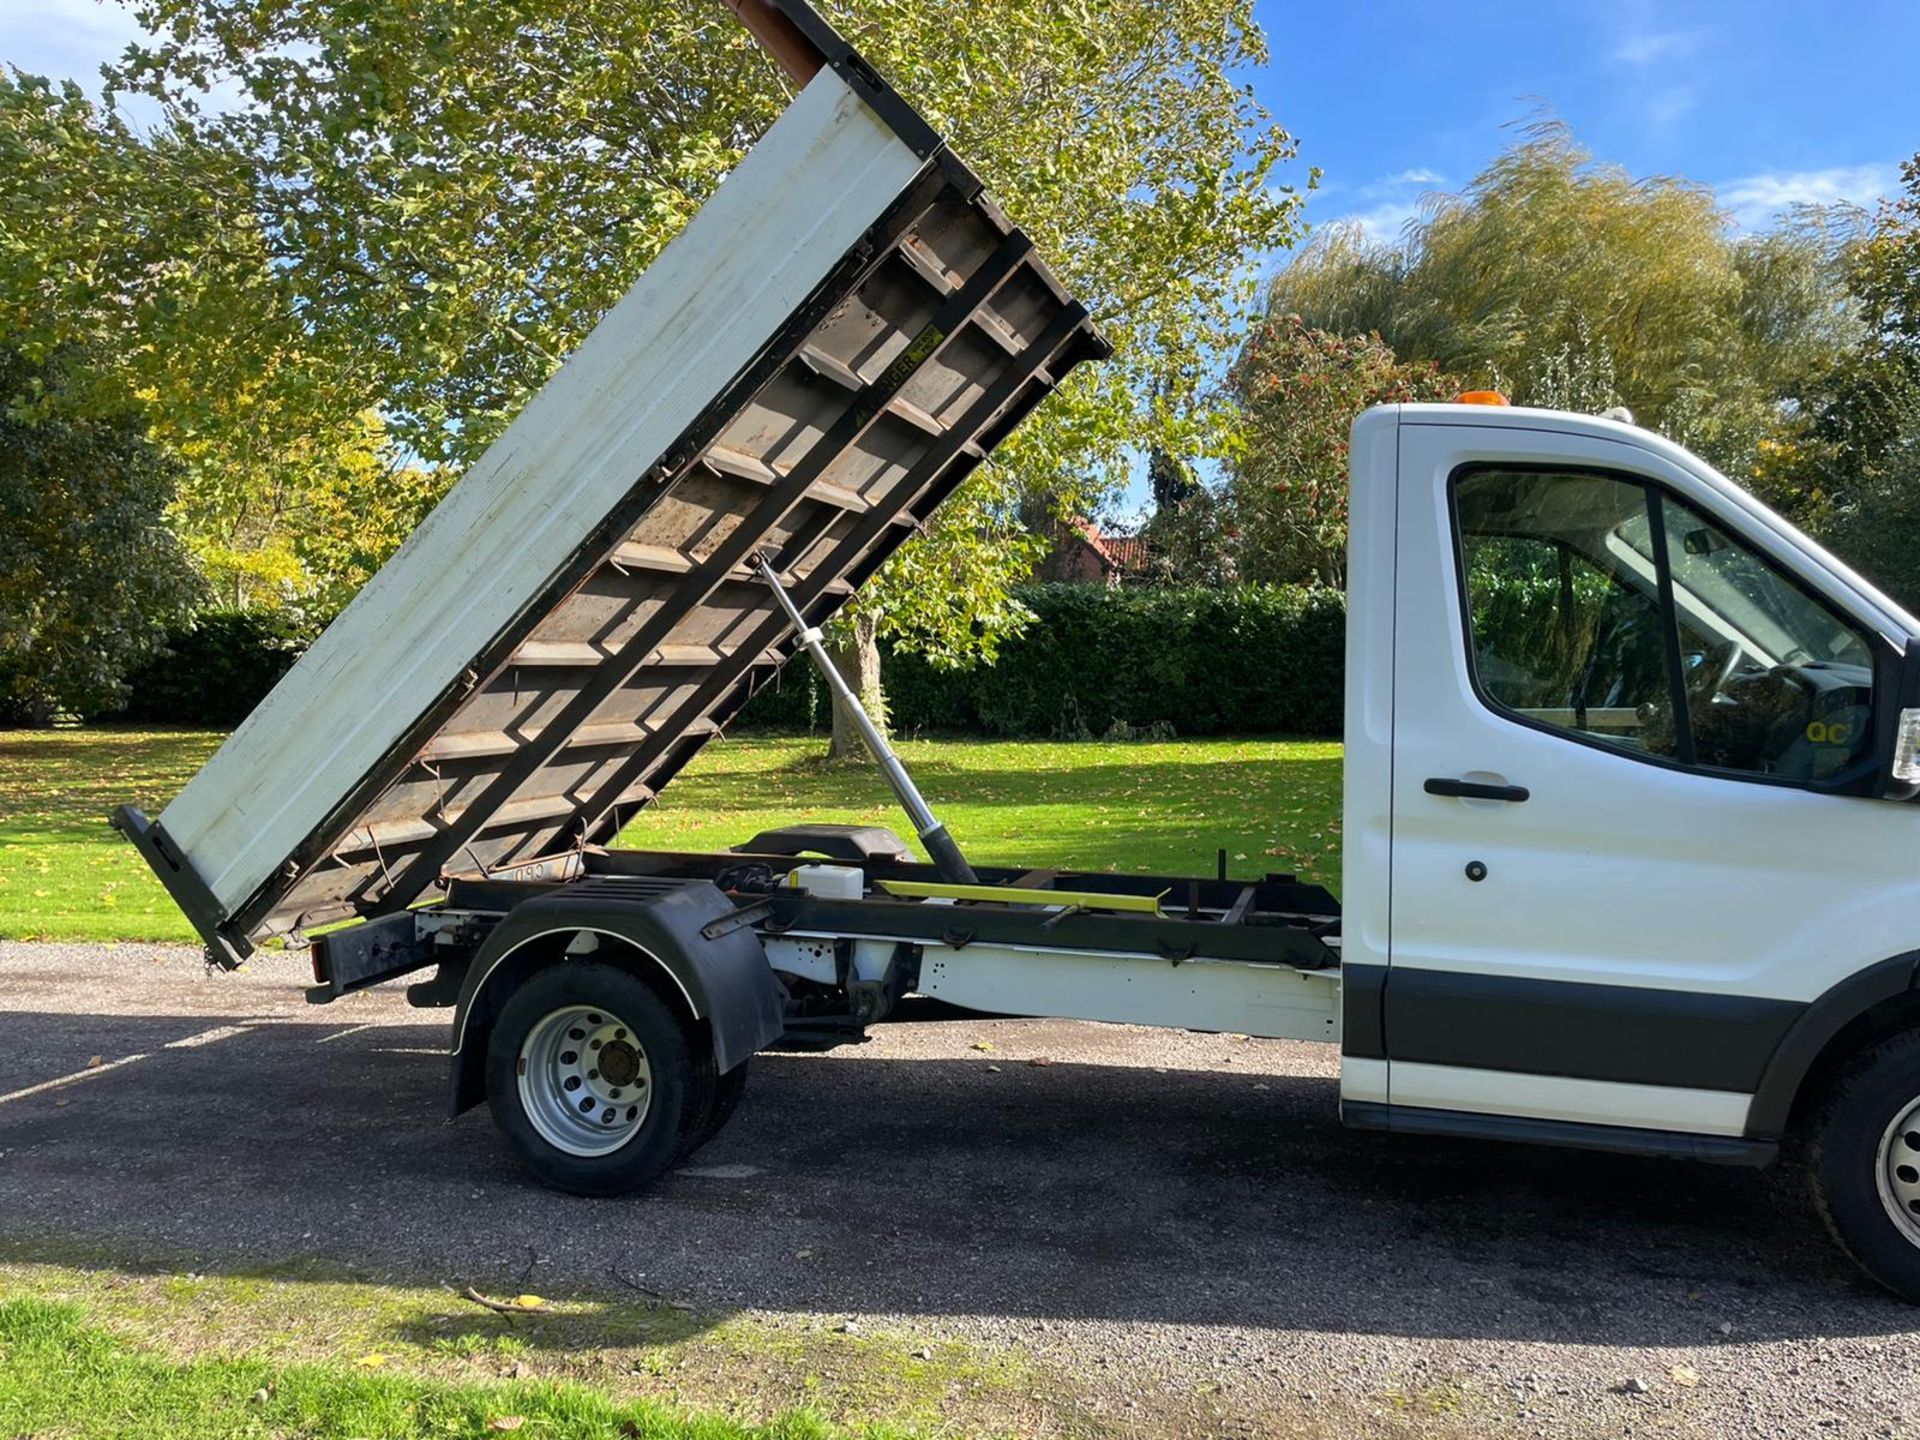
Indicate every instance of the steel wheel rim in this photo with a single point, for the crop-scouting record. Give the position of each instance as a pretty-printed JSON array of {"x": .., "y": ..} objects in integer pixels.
[
  {"x": 584, "y": 1080},
  {"x": 1896, "y": 1171}
]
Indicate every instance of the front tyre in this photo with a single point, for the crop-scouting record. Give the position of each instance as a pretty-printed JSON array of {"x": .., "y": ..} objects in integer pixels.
[
  {"x": 1864, "y": 1162},
  {"x": 588, "y": 1074}
]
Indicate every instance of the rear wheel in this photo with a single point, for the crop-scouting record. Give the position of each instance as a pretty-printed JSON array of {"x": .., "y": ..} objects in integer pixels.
[
  {"x": 588, "y": 1077},
  {"x": 1864, "y": 1161}
]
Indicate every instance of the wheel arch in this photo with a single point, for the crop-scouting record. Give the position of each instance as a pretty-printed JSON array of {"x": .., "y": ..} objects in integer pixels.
[
  {"x": 720, "y": 985},
  {"x": 1868, "y": 1004}
]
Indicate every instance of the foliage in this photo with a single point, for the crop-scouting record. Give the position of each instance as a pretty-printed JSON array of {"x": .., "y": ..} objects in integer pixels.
[
  {"x": 1577, "y": 376},
  {"x": 1192, "y": 541},
  {"x": 1558, "y": 277},
  {"x": 1885, "y": 275},
  {"x": 1846, "y": 461},
  {"x": 455, "y": 194},
  {"x": 141, "y": 260},
  {"x": 1203, "y": 661},
  {"x": 1102, "y": 660},
  {"x": 356, "y": 513},
  {"x": 89, "y": 571},
  {"x": 1876, "y": 527},
  {"x": 214, "y": 669},
  {"x": 1299, "y": 390},
  {"x": 950, "y": 597}
]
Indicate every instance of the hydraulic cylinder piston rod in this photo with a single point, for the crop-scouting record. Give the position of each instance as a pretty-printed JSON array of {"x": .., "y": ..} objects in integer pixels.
[{"x": 940, "y": 846}]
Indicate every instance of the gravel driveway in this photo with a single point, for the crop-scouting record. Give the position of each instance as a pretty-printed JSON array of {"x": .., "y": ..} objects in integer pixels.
[{"x": 1176, "y": 1222}]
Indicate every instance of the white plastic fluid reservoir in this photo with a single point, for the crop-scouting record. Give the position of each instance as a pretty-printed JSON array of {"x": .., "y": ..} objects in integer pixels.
[{"x": 829, "y": 882}]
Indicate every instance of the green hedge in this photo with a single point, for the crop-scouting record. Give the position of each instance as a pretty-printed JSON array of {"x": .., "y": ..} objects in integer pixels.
[
  {"x": 213, "y": 672},
  {"x": 1099, "y": 661},
  {"x": 1095, "y": 662}
]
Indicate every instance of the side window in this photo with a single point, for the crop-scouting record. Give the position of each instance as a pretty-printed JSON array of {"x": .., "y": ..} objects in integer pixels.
[
  {"x": 1601, "y": 605},
  {"x": 1567, "y": 630}
]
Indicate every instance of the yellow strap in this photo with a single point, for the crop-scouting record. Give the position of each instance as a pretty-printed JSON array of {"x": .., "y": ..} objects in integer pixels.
[{"x": 1015, "y": 895}]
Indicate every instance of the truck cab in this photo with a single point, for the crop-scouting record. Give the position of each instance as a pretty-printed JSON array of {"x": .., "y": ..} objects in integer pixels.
[{"x": 1626, "y": 860}]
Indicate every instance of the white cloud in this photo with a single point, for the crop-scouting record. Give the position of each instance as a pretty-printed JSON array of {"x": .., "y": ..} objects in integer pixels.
[
  {"x": 1395, "y": 202},
  {"x": 1418, "y": 175},
  {"x": 1669, "y": 104},
  {"x": 1755, "y": 200},
  {"x": 1661, "y": 85},
  {"x": 1648, "y": 47},
  {"x": 1384, "y": 223}
]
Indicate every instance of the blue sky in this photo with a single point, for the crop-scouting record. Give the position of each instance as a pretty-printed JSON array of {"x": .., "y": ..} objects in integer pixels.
[{"x": 1768, "y": 101}]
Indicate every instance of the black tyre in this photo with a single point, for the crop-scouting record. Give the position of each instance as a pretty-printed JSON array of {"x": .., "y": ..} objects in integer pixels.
[
  {"x": 589, "y": 1078},
  {"x": 1863, "y": 1161},
  {"x": 711, "y": 1100},
  {"x": 727, "y": 1090}
]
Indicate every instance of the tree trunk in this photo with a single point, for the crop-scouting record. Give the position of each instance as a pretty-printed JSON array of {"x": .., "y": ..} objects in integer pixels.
[
  {"x": 35, "y": 712},
  {"x": 857, "y": 658}
]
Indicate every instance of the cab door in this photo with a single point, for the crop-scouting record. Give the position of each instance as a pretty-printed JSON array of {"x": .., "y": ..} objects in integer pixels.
[{"x": 1629, "y": 752}]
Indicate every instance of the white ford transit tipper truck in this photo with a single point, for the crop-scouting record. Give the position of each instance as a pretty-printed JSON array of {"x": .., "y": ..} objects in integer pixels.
[{"x": 1629, "y": 860}]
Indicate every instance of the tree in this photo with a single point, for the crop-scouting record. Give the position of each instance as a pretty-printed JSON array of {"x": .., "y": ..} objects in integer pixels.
[
  {"x": 1846, "y": 460},
  {"x": 90, "y": 575},
  {"x": 455, "y": 194},
  {"x": 140, "y": 260},
  {"x": 1567, "y": 280},
  {"x": 1299, "y": 390},
  {"x": 1188, "y": 538},
  {"x": 1192, "y": 542}
]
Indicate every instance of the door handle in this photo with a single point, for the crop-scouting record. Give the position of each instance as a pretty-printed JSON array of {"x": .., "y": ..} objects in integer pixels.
[{"x": 1474, "y": 790}]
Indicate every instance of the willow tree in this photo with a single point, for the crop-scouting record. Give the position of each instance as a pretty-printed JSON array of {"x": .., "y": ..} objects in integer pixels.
[
  {"x": 1553, "y": 276},
  {"x": 457, "y": 193}
]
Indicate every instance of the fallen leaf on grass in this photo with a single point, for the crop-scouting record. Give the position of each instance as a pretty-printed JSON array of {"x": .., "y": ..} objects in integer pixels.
[
  {"x": 371, "y": 1362},
  {"x": 983, "y": 1044},
  {"x": 1685, "y": 1375},
  {"x": 529, "y": 1302},
  {"x": 506, "y": 1422}
]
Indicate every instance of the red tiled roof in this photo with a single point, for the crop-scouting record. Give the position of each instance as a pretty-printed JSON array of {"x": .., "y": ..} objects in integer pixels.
[{"x": 1128, "y": 552}]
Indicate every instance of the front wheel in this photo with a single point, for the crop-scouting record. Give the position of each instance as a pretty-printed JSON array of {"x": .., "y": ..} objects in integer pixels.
[
  {"x": 588, "y": 1074},
  {"x": 1864, "y": 1162}
]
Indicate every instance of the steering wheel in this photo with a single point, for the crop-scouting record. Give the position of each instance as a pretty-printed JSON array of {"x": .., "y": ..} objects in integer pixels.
[{"x": 1718, "y": 661}]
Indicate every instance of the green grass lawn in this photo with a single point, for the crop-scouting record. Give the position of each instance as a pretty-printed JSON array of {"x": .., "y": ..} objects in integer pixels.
[
  {"x": 63, "y": 1374},
  {"x": 1157, "y": 806}
]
